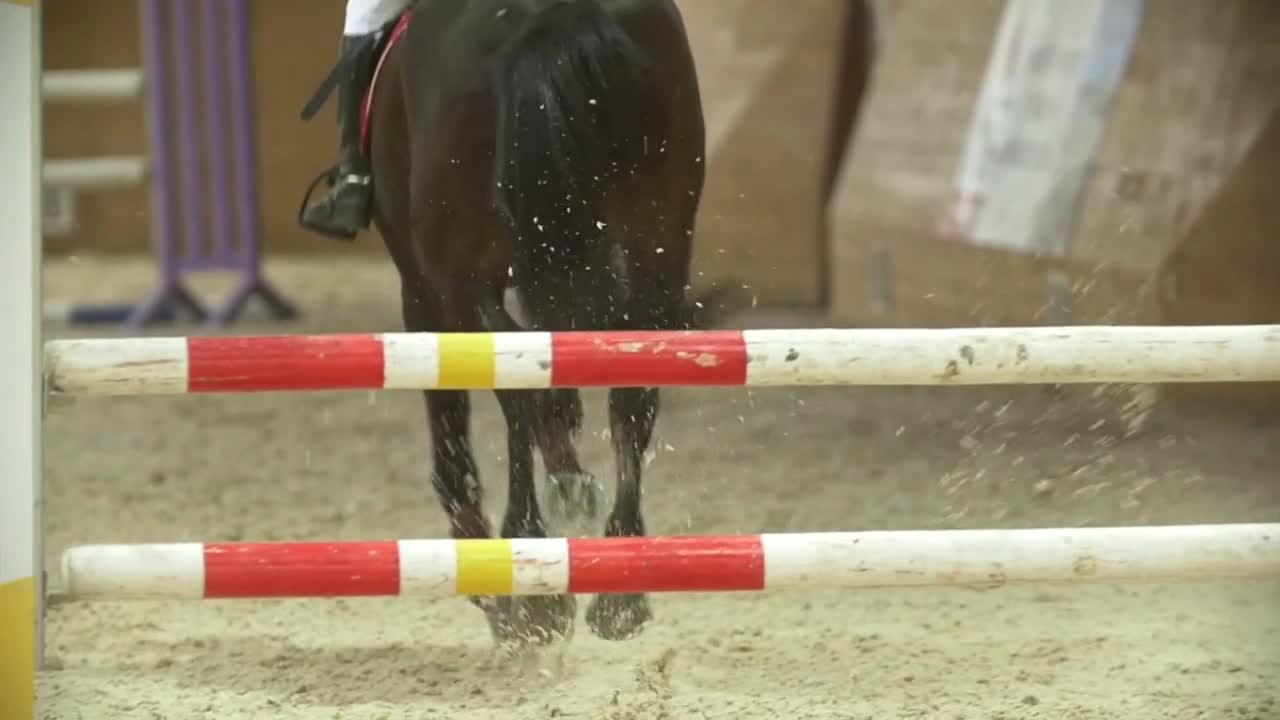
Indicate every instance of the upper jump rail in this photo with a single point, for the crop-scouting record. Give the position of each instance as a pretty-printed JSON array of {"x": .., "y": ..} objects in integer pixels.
[{"x": 524, "y": 360}]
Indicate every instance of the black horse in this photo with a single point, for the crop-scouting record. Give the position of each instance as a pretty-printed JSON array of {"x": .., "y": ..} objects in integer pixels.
[{"x": 556, "y": 147}]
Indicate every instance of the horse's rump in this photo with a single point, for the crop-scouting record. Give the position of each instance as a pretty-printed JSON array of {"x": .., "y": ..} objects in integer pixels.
[
  {"x": 578, "y": 109},
  {"x": 525, "y": 143}
]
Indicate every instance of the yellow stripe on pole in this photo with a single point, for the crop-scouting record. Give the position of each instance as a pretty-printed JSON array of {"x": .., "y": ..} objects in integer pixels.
[
  {"x": 485, "y": 567},
  {"x": 18, "y": 649},
  {"x": 466, "y": 361}
]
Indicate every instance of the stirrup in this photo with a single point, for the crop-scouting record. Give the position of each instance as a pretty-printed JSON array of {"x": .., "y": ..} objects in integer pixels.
[
  {"x": 331, "y": 176},
  {"x": 328, "y": 175}
]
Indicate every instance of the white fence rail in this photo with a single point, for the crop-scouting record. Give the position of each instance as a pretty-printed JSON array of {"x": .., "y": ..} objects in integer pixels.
[{"x": 91, "y": 86}]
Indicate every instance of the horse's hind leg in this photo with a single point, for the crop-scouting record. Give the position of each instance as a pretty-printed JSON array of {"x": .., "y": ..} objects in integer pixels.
[
  {"x": 537, "y": 619},
  {"x": 556, "y": 418},
  {"x": 528, "y": 619},
  {"x": 454, "y": 475},
  {"x": 572, "y": 494},
  {"x": 633, "y": 412},
  {"x": 657, "y": 302}
]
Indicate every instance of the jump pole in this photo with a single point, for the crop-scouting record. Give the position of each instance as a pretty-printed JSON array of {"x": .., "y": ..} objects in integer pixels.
[
  {"x": 21, "y": 608},
  {"x": 545, "y": 566},
  {"x": 980, "y": 356}
]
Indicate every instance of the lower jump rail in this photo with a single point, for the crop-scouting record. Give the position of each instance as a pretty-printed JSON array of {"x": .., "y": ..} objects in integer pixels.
[{"x": 876, "y": 559}]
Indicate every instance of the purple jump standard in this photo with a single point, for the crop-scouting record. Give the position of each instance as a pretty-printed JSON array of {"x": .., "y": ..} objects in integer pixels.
[{"x": 232, "y": 242}]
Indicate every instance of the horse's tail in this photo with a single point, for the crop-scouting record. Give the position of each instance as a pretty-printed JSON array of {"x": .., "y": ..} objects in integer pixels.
[{"x": 565, "y": 86}]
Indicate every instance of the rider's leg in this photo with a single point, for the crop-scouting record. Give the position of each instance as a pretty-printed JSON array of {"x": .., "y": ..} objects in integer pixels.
[{"x": 345, "y": 210}]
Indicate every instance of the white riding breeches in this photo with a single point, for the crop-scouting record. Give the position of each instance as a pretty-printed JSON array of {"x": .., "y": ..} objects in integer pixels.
[{"x": 366, "y": 16}]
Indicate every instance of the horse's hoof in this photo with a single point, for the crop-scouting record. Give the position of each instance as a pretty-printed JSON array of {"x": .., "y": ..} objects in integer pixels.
[
  {"x": 573, "y": 496},
  {"x": 531, "y": 620},
  {"x": 618, "y": 617}
]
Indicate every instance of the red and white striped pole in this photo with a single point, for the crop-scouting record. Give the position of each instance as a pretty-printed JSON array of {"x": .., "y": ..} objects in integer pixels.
[
  {"x": 544, "y": 566},
  {"x": 1097, "y": 354}
]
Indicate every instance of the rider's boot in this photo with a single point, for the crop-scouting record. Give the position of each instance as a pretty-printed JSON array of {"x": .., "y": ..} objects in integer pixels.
[{"x": 346, "y": 209}]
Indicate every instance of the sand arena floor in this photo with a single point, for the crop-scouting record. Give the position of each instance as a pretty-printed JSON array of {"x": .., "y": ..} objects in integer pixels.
[{"x": 354, "y": 465}]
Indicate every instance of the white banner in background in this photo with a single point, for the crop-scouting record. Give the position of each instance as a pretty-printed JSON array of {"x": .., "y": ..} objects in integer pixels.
[{"x": 1037, "y": 122}]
